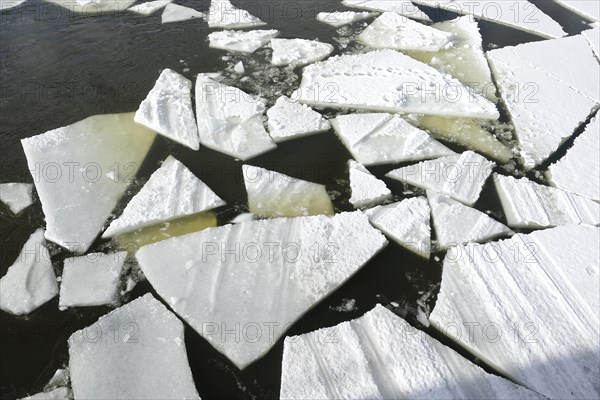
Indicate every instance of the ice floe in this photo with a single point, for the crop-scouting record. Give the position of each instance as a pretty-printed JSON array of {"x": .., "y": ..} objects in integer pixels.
[
  {"x": 389, "y": 81},
  {"x": 172, "y": 192},
  {"x": 528, "y": 204},
  {"x": 366, "y": 190},
  {"x": 61, "y": 393},
  {"x": 291, "y": 120},
  {"x": 91, "y": 280},
  {"x": 17, "y": 196},
  {"x": 92, "y": 7},
  {"x": 341, "y": 18},
  {"x": 230, "y": 120},
  {"x": 30, "y": 282},
  {"x": 177, "y": 13},
  {"x": 81, "y": 171},
  {"x": 455, "y": 223},
  {"x": 460, "y": 176},
  {"x": 405, "y": 8},
  {"x": 379, "y": 138},
  {"x": 149, "y": 7},
  {"x": 241, "y": 41},
  {"x": 593, "y": 37},
  {"x": 222, "y": 14},
  {"x": 582, "y": 158},
  {"x": 528, "y": 307},
  {"x": 393, "y": 31},
  {"x": 381, "y": 356},
  {"x": 272, "y": 194},
  {"x": 406, "y": 222},
  {"x": 168, "y": 109},
  {"x": 135, "y": 352},
  {"x": 585, "y": 8},
  {"x": 298, "y": 52},
  {"x": 239, "y": 68},
  {"x": 257, "y": 278}
]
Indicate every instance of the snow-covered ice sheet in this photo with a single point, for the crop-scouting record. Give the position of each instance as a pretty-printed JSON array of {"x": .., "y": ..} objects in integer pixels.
[
  {"x": 405, "y": 8},
  {"x": 168, "y": 109},
  {"x": 528, "y": 204},
  {"x": 81, "y": 171},
  {"x": 389, "y": 81},
  {"x": 30, "y": 282},
  {"x": 460, "y": 176},
  {"x": 172, "y": 192},
  {"x": 593, "y": 37},
  {"x": 379, "y": 138},
  {"x": 380, "y": 356},
  {"x": 529, "y": 307},
  {"x": 579, "y": 170},
  {"x": 230, "y": 120},
  {"x": 272, "y": 194},
  {"x": 518, "y": 14},
  {"x": 393, "y": 31},
  {"x": 135, "y": 352},
  {"x": 91, "y": 280},
  {"x": 241, "y": 41},
  {"x": 222, "y": 14},
  {"x": 365, "y": 189},
  {"x": 298, "y": 52},
  {"x": 455, "y": 223},
  {"x": 406, "y": 222},
  {"x": 341, "y": 18},
  {"x": 17, "y": 196},
  {"x": 93, "y": 7},
  {"x": 257, "y": 278},
  {"x": 291, "y": 120},
  {"x": 149, "y": 7},
  {"x": 585, "y": 8},
  {"x": 176, "y": 13}
]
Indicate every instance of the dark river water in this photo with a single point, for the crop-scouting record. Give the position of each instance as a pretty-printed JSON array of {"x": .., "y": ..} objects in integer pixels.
[{"x": 57, "y": 68}]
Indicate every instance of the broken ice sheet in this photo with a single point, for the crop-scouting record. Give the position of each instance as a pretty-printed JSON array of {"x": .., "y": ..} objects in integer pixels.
[
  {"x": 257, "y": 278},
  {"x": 149, "y": 7},
  {"x": 291, "y": 120},
  {"x": 298, "y": 52},
  {"x": 92, "y": 7},
  {"x": 135, "y": 352},
  {"x": 222, "y": 14},
  {"x": 405, "y": 222},
  {"x": 393, "y": 31},
  {"x": 272, "y": 194},
  {"x": 244, "y": 42},
  {"x": 341, "y": 18},
  {"x": 17, "y": 196},
  {"x": 389, "y": 81},
  {"x": 366, "y": 190},
  {"x": 460, "y": 176},
  {"x": 81, "y": 171},
  {"x": 406, "y": 8},
  {"x": 91, "y": 280},
  {"x": 593, "y": 38},
  {"x": 176, "y": 13},
  {"x": 584, "y": 8},
  {"x": 30, "y": 282},
  {"x": 172, "y": 192},
  {"x": 380, "y": 356},
  {"x": 528, "y": 204},
  {"x": 515, "y": 304},
  {"x": 168, "y": 109},
  {"x": 379, "y": 138}
]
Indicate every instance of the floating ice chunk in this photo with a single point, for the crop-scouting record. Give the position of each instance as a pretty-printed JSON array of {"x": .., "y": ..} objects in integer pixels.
[
  {"x": 59, "y": 379},
  {"x": 389, "y": 81},
  {"x": 223, "y": 14},
  {"x": 460, "y": 176},
  {"x": 290, "y": 120},
  {"x": 272, "y": 194},
  {"x": 30, "y": 282},
  {"x": 380, "y": 356},
  {"x": 61, "y": 393},
  {"x": 239, "y": 68},
  {"x": 172, "y": 192},
  {"x": 245, "y": 217},
  {"x": 403, "y": 7},
  {"x": 230, "y": 120},
  {"x": 298, "y": 52},
  {"x": 283, "y": 268},
  {"x": 518, "y": 14},
  {"x": 523, "y": 297},
  {"x": 93, "y": 7},
  {"x": 177, "y": 13},
  {"x": 582, "y": 158},
  {"x": 168, "y": 109},
  {"x": 341, "y": 18},
  {"x": 91, "y": 280},
  {"x": 585, "y": 8},
  {"x": 381, "y": 138},
  {"x": 456, "y": 223},
  {"x": 528, "y": 204},
  {"x": 244, "y": 42},
  {"x": 135, "y": 352},
  {"x": 593, "y": 37},
  {"x": 149, "y": 7},
  {"x": 366, "y": 190},
  {"x": 406, "y": 222},
  {"x": 92, "y": 163},
  {"x": 393, "y": 31},
  {"x": 8, "y": 4},
  {"x": 17, "y": 196}
]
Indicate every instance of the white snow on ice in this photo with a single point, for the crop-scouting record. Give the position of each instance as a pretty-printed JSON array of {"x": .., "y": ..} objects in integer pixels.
[
  {"x": 298, "y": 52},
  {"x": 341, "y": 18},
  {"x": 222, "y": 14},
  {"x": 17, "y": 196},
  {"x": 241, "y": 41},
  {"x": 291, "y": 120},
  {"x": 149, "y": 7},
  {"x": 366, "y": 189},
  {"x": 177, "y": 13},
  {"x": 406, "y": 8}
]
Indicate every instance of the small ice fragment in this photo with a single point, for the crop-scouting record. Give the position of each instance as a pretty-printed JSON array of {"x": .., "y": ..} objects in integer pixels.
[
  {"x": 402, "y": 7},
  {"x": 17, "y": 196},
  {"x": 290, "y": 120},
  {"x": 348, "y": 305},
  {"x": 61, "y": 393},
  {"x": 177, "y": 13},
  {"x": 59, "y": 379},
  {"x": 149, "y": 7},
  {"x": 366, "y": 189},
  {"x": 222, "y": 14},
  {"x": 241, "y": 218},
  {"x": 241, "y": 41},
  {"x": 341, "y": 18},
  {"x": 298, "y": 52},
  {"x": 239, "y": 68}
]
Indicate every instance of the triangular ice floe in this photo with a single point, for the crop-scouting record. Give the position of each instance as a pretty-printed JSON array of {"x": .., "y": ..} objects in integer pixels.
[
  {"x": 290, "y": 120},
  {"x": 242, "y": 41},
  {"x": 366, "y": 189},
  {"x": 298, "y": 52},
  {"x": 149, "y": 7},
  {"x": 17, "y": 196},
  {"x": 177, "y": 13},
  {"x": 341, "y": 18},
  {"x": 406, "y": 8},
  {"x": 222, "y": 14}
]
